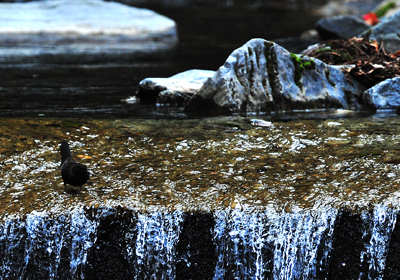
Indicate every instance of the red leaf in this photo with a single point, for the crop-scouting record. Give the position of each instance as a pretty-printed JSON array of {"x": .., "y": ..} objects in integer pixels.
[{"x": 371, "y": 18}]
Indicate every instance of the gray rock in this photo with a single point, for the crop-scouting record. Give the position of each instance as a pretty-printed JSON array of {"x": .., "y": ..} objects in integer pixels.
[
  {"x": 68, "y": 26},
  {"x": 340, "y": 27},
  {"x": 344, "y": 7},
  {"x": 175, "y": 89},
  {"x": 386, "y": 32},
  {"x": 385, "y": 95},
  {"x": 260, "y": 76}
]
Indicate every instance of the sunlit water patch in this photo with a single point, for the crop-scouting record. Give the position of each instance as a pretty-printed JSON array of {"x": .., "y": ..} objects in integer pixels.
[{"x": 202, "y": 164}]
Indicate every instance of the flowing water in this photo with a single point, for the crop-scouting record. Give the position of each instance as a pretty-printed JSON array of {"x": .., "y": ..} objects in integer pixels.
[
  {"x": 202, "y": 164},
  {"x": 314, "y": 196},
  {"x": 277, "y": 195},
  {"x": 241, "y": 245}
]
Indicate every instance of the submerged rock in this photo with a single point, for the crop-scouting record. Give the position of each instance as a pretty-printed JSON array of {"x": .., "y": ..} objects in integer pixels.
[
  {"x": 340, "y": 27},
  {"x": 263, "y": 76},
  {"x": 176, "y": 89},
  {"x": 80, "y": 25},
  {"x": 385, "y": 95}
]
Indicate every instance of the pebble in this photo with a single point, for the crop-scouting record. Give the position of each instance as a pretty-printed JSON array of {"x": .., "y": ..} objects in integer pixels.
[{"x": 260, "y": 123}]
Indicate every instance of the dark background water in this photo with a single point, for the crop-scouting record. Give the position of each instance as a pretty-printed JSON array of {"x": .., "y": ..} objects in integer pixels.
[{"x": 95, "y": 84}]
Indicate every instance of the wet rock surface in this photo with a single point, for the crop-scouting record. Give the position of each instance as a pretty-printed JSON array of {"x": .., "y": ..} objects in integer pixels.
[
  {"x": 200, "y": 198},
  {"x": 202, "y": 164}
]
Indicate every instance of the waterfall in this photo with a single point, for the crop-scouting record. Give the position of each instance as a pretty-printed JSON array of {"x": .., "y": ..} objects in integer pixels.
[
  {"x": 228, "y": 244},
  {"x": 240, "y": 239},
  {"x": 40, "y": 239},
  {"x": 381, "y": 224},
  {"x": 157, "y": 238},
  {"x": 12, "y": 247},
  {"x": 297, "y": 238},
  {"x": 291, "y": 239}
]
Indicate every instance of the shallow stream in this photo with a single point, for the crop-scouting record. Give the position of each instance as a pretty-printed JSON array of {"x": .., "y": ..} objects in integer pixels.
[{"x": 202, "y": 164}]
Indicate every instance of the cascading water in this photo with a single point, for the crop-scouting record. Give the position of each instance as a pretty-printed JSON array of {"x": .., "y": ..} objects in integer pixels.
[
  {"x": 283, "y": 245},
  {"x": 240, "y": 243},
  {"x": 297, "y": 238},
  {"x": 380, "y": 225},
  {"x": 157, "y": 238},
  {"x": 163, "y": 206},
  {"x": 245, "y": 244},
  {"x": 33, "y": 248}
]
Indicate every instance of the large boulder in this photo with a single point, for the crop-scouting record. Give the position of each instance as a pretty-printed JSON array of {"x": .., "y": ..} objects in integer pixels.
[
  {"x": 340, "y": 27},
  {"x": 68, "y": 26},
  {"x": 263, "y": 76},
  {"x": 385, "y": 95},
  {"x": 386, "y": 32}
]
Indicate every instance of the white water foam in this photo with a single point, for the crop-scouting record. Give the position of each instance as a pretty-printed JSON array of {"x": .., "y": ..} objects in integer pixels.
[
  {"x": 243, "y": 238},
  {"x": 156, "y": 241}
]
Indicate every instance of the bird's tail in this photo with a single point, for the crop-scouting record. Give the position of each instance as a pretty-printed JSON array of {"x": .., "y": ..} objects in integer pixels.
[{"x": 65, "y": 152}]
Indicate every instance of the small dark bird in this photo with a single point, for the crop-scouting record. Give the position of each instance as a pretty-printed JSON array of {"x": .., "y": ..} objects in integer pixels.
[{"x": 72, "y": 172}]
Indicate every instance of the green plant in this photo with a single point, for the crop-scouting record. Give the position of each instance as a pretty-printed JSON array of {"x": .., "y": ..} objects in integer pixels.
[
  {"x": 385, "y": 8},
  {"x": 300, "y": 63}
]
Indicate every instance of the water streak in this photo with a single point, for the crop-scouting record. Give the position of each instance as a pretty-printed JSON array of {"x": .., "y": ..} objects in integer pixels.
[
  {"x": 381, "y": 223},
  {"x": 240, "y": 243},
  {"x": 11, "y": 241},
  {"x": 83, "y": 234},
  {"x": 297, "y": 237},
  {"x": 40, "y": 239},
  {"x": 157, "y": 238},
  {"x": 283, "y": 245}
]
